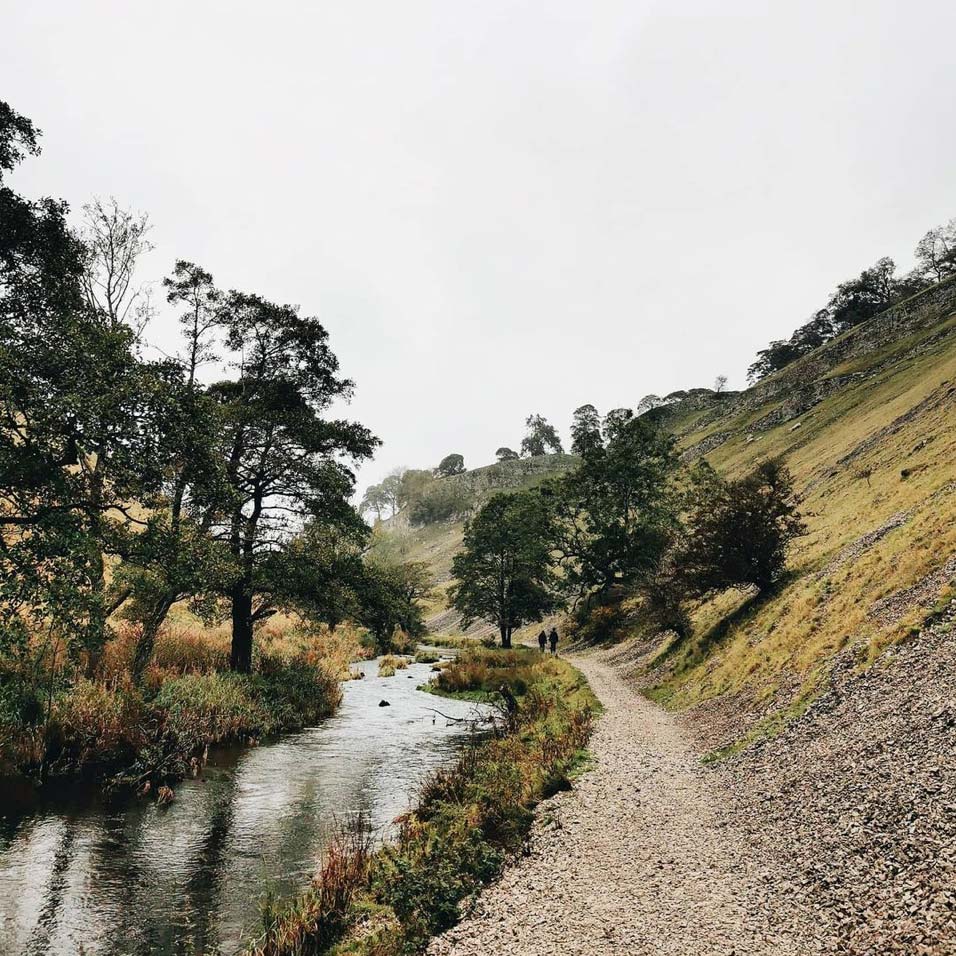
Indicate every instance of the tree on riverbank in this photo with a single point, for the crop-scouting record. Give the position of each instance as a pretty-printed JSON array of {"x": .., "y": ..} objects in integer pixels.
[
  {"x": 285, "y": 461},
  {"x": 505, "y": 572}
]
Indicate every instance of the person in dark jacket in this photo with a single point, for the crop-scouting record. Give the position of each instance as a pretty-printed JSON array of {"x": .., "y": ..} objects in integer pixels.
[
  {"x": 542, "y": 641},
  {"x": 554, "y": 640}
]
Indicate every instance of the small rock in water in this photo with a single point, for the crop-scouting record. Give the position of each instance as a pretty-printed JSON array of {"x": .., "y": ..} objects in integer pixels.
[{"x": 384, "y": 703}]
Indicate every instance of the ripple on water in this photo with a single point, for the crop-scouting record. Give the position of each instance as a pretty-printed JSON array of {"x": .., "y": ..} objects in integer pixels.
[{"x": 128, "y": 878}]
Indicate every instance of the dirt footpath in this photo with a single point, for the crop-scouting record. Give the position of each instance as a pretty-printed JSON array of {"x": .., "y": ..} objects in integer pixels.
[{"x": 642, "y": 857}]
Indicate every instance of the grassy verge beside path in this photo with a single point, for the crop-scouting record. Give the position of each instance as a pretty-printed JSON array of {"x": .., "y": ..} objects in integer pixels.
[{"x": 470, "y": 817}]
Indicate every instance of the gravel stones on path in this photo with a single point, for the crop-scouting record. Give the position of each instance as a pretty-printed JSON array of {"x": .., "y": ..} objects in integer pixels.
[{"x": 642, "y": 857}]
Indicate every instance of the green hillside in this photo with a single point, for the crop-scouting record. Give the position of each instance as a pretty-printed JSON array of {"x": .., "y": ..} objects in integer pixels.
[{"x": 866, "y": 425}]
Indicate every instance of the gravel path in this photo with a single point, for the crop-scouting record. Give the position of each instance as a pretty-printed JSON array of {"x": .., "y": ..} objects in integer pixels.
[{"x": 642, "y": 857}]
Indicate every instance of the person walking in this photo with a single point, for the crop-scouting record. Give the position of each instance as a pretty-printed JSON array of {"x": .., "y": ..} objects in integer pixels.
[
  {"x": 542, "y": 641},
  {"x": 554, "y": 640}
]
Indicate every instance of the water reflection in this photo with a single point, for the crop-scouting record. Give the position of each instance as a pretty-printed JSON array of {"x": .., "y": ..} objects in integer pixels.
[{"x": 80, "y": 873}]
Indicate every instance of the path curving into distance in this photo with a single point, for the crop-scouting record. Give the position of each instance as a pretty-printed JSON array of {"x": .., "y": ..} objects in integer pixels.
[{"x": 642, "y": 857}]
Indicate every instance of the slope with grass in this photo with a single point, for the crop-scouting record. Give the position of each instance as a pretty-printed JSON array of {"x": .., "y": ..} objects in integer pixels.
[{"x": 826, "y": 710}]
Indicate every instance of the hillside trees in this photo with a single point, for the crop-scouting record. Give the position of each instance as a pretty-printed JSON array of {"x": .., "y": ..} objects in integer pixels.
[
  {"x": 858, "y": 299},
  {"x": 285, "y": 462},
  {"x": 450, "y": 465},
  {"x": 585, "y": 429},
  {"x": 504, "y": 572},
  {"x": 616, "y": 511},
  {"x": 936, "y": 252},
  {"x": 541, "y": 438},
  {"x": 504, "y": 453},
  {"x": 84, "y": 421},
  {"x": 738, "y": 532}
]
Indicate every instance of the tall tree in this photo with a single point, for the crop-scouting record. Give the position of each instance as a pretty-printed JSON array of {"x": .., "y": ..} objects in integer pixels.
[
  {"x": 174, "y": 557},
  {"x": 616, "y": 511},
  {"x": 83, "y": 420},
  {"x": 585, "y": 429},
  {"x": 541, "y": 437},
  {"x": 285, "y": 461},
  {"x": 936, "y": 252},
  {"x": 116, "y": 238},
  {"x": 505, "y": 572}
]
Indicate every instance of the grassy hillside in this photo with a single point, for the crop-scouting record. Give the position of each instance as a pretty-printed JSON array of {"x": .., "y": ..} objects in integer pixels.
[
  {"x": 875, "y": 464},
  {"x": 867, "y": 425}
]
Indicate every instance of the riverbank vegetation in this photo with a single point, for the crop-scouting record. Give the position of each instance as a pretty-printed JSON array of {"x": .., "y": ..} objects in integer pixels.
[
  {"x": 469, "y": 818},
  {"x": 140, "y": 488},
  {"x": 150, "y": 734}
]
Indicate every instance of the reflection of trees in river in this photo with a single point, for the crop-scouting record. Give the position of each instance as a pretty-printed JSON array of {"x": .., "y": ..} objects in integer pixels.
[
  {"x": 55, "y": 892},
  {"x": 128, "y": 878}
]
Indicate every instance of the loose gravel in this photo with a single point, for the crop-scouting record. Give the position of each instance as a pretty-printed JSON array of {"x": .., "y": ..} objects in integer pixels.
[{"x": 643, "y": 856}]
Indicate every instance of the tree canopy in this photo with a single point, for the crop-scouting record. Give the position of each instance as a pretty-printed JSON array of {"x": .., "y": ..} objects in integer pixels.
[
  {"x": 541, "y": 437},
  {"x": 505, "y": 572}
]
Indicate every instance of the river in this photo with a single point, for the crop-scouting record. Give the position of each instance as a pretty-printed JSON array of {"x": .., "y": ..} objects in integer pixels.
[{"x": 80, "y": 873}]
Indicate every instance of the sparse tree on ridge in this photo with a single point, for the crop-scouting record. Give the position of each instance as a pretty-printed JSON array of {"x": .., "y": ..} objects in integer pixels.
[
  {"x": 506, "y": 454},
  {"x": 936, "y": 252},
  {"x": 450, "y": 465},
  {"x": 541, "y": 438},
  {"x": 720, "y": 383},
  {"x": 585, "y": 429}
]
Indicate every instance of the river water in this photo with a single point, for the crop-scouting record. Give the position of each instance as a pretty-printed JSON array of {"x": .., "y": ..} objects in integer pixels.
[{"x": 124, "y": 877}]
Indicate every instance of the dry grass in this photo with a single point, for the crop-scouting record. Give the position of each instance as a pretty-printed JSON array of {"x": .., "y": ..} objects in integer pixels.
[{"x": 826, "y": 605}]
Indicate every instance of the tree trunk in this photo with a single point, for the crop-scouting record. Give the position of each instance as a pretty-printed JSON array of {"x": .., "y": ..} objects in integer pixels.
[
  {"x": 147, "y": 639},
  {"x": 241, "y": 656},
  {"x": 505, "y": 636}
]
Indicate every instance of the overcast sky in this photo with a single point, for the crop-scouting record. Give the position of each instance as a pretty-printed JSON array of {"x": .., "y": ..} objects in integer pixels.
[{"x": 499, "y": 208}]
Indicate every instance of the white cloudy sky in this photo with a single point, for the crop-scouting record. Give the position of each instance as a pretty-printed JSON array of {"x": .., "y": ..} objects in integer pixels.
[{"x": 504, "y": 207}]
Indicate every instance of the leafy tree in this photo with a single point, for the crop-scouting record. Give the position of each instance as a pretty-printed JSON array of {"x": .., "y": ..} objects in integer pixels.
[
  {"x": 720, "y": 384},
  {"x": 936, "y": 252},
  {"x": 777, "y": 355},
  {"x": 450, "y": 465},
  {"x": 505, "y": 571},
  {"x": 285, "y": 462},
  {"x": 439, "y": 501},
  {"x": 739, "y": 532},
  {"x": 175, "y": 557},
  {"x": 392, "y": 489},
  {"x": 585, "y": 429},
  {"x": 616, "y": 510},
  {"x": 540, "y": 438},
  {"x": 857, "y": 300},
  {"x": 389, "y": 597},
  {"x": 83, "y": 421},
  {"x": 411, "y": 485},
  {"x": 506, "y": 454},
  {"x": 647, "y": 403},
  {"x": 375, "y": 499},
  {"x": 319, "y": 573}
]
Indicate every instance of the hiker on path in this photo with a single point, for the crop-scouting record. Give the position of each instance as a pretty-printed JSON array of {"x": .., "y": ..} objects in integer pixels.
[
  {"x": 542, "y": 640},
  {"x": 554, "y": 640}
]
